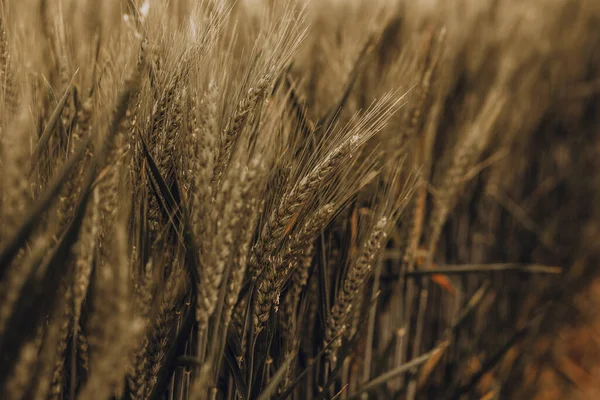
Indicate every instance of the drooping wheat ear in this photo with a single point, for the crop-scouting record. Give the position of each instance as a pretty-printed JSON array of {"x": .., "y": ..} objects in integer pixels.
[
  {"x": 280, "y": 266},
  {"x": 266, "y": 297},
  {"x": 278, "y": 223},
  {"x": 236, "y": 124},
  {"x": 229, "y": 204},
  {"x": 295, "y": 250},
  {"x": 354, "y": 281},
  {"x": 351, "y": 141}
]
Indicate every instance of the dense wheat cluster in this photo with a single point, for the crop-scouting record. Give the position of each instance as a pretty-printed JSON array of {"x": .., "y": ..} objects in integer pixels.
[{"x": 307, "y": 200}]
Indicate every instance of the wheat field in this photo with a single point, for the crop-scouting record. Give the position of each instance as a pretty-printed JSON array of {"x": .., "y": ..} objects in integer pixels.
[{"x": 325, "y": 199}]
